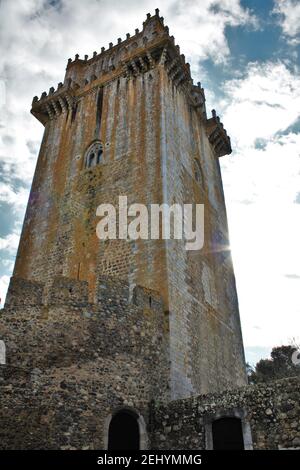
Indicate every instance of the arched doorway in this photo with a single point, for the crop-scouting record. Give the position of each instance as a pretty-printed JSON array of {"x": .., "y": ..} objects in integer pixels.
[
  {"x": 123, "y": 432},
  {"x": 227, "y": 434}
]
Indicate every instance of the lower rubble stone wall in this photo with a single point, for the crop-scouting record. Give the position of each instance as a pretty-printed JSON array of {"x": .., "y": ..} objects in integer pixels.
[
  {"x": 70, "y": 364},
  {"x": 270, "y": 413}
]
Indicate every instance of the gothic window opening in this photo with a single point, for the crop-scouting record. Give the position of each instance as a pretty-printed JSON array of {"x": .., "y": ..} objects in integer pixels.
[
  {"x": 94, "y": 155},
  {"x": 123, "y": 433},
  {"x": 92, "y": 159},
  {"x": 99, "y": 155},
  {"x": 227, "y": 434}
]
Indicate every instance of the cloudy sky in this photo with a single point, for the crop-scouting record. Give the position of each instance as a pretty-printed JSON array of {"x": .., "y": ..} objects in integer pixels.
[{"x": 246, "y": 55}]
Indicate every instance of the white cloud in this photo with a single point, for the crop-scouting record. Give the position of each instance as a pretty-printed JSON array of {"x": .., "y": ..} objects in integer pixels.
[
  {"x": 267, "y": 98},
  {"x": 9, "y": 243},
  {"x": 264, "y": 242},
  {"x": 261, "y": 184},
  {"x": 4, "y": 281},
  {"x": 289, "y": 11},
  {"x": 8, "y": 263},
  {"x": 17, "y": 198},
  {"x": 202, "y": 33}
]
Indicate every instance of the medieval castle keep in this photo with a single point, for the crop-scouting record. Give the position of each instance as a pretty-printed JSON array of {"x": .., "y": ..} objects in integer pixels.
[{"x": 135, "y": 335}]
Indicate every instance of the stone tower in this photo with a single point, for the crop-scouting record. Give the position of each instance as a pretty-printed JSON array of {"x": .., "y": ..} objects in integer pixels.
[{"x": 129, "y": 121}]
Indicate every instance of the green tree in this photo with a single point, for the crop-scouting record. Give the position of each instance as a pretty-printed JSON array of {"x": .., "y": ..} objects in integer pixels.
[{"x": 279, "y": 366}]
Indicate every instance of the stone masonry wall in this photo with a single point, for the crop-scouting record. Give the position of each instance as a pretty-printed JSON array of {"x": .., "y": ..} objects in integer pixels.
[
  {"x": 271, "y": 410},
  {"x": 71, "y": 363},
  {"x": 139, "y": 100},
  {"x": 59, "y": 234},
  {"x": 206, "y": 344}
]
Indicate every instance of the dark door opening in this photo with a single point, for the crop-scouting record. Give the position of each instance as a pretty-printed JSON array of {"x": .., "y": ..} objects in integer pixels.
[
  {"x": 123, "y": 433},
  {"x": 227, "y": 434}
]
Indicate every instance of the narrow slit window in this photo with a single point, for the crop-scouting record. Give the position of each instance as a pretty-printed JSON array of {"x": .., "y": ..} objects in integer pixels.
[
  {"x": 99, "y": 110},
  {"x": 197, "y": 171}
]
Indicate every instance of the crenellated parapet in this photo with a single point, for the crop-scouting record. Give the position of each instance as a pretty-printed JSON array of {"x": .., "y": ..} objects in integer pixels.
[
  {"x": 114, "y": 56},
  {"x": 217, "y": 136},
  {"x": 65, "y": 291},
  {"x": 135, "y": 55},
  {"x": 24, "y": 292},
  {"x": 56, "y": 102},
  {"x": 198, "y": 96}
]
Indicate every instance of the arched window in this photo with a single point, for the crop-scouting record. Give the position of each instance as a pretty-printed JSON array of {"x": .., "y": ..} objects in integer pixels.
[
  {"x": 99, "y": 155},
  {"x": 91, "y": 159},
  {"x": 123, "y": 433},
  {"x": 197, "y": 170},
  {"x": 227, "y": 434},
  {"x": 94, "y": 155}
]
